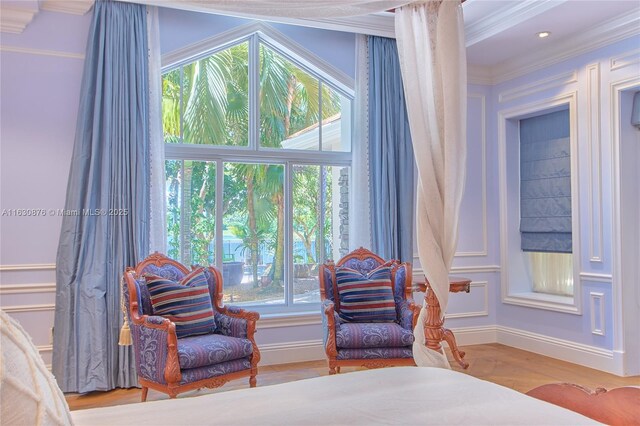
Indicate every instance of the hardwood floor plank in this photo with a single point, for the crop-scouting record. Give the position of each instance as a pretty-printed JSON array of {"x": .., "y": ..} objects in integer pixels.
[{"x": 514, "y": 368}]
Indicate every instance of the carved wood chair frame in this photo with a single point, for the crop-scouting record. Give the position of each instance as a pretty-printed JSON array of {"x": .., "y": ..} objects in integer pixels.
[
  {"x": 172, "y": 373},
  {"x": 330, "y": 348}
]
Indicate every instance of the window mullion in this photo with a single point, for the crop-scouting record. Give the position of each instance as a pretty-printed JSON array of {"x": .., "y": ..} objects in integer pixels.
[
  {"x": 219, "y": 213},
  {"x": 254, "y": 91},
  {"x": 322, "y": 181},
  {"x": 320, "y": 115},
  {"x": 288, "y": 232}
]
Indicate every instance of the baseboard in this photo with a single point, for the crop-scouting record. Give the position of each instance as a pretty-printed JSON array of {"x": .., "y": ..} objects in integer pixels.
[
  {"x": 577, "y": 353},
  {"x": 475, "y": 335},
  {"x": 284, "y": 353}
]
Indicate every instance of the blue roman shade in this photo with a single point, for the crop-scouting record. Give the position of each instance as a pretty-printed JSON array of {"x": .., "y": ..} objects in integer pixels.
[{"x": 545, "y": 183}]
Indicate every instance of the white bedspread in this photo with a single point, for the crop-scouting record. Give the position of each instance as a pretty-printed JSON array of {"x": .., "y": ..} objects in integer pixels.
[{"x": 401, "y": 395}]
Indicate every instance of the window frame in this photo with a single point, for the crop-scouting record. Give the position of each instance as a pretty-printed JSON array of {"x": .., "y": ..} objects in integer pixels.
[
  {"x": 516, "y": 288},
  {"x": 255, "y": 34}
]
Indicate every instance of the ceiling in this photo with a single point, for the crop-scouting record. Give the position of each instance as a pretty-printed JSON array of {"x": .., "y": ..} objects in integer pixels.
[
  {"x": 498, "y": 31},
  {"x": 500, "y": 34}
]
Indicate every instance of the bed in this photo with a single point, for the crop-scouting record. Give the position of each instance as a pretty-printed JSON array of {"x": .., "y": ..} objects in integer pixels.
[
  {"x": 29, "y": 395},
  {"x": 399, "y": 395}
]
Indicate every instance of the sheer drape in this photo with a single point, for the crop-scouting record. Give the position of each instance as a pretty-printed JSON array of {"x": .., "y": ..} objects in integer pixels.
[
  {"x": 431, "y": 47},
  {"x": 391, "y": 161},
  {"x": 360, "y": 219},
  {"x": 108, "y": 200},
  {"x": 552, "y": 272},
  {"x": 157, "y": 201}
]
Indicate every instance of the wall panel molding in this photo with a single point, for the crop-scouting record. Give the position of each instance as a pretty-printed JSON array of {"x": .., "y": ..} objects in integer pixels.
[
  {"x": 483, "y": 252},
  {"x": 597, "y": 313},
  {"x": 485, "y": 296},
  {"x": 596, "y": 277},
  {"x": 28, "y": 267},
  {"x": 595, "y": 160},
  {"x": 481, "y": 269},
  {"x": 27, "y": 288},
  {"x": 625, "y": 60},
  {"x": 559, "y": 80},
  {"x": 16, "y": 309},
  {"x": 41, "y": 52}
]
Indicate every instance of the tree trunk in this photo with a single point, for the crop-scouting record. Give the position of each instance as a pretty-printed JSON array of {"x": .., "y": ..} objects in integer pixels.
[
  {"x": 251, "y": 222},
  {"x": 278, "y": 261}
]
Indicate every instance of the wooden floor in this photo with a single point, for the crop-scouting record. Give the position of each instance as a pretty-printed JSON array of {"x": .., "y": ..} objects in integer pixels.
[{"x": 510, "y": 367}]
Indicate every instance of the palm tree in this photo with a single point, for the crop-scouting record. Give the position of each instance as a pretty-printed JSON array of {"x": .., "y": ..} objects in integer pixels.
[{"x": 214, "y": 110}]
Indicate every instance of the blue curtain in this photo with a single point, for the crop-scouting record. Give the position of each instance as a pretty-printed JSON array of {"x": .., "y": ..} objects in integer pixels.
[
  {"x": 545, "y": 183},
  {"x": 106, "y": 228},
  {"x": 391, "y": 160}
]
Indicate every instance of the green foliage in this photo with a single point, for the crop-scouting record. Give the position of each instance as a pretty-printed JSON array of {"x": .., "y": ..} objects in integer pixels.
[{"x": 207, "y": 102}]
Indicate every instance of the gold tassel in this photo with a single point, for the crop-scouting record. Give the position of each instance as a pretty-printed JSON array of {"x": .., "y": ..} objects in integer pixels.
[
  {"x": 125, "y": 334},
  {"x": 125, "y": 331}
]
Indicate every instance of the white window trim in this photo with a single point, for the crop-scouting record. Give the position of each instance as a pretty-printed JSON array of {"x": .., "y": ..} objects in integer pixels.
[
  {"x": 511, "y": 283},
  {"x": 302, "y": 313}
]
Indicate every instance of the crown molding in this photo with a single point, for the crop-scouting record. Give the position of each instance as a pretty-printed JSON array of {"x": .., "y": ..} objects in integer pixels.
[
  {"x": 478, "y": 74},
  {"x": 73, "y": 7},
  {"x": 506, "y": 17},
  {"x": 15, "y": 16},
  {"x": 609, "y": 32}
]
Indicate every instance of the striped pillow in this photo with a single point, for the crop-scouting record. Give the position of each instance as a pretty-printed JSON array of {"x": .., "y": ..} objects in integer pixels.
[
  {"x": 187, "y": 304},
  {"x": 366, "y": 297}
]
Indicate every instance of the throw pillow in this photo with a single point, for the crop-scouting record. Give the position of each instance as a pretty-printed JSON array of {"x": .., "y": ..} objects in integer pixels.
[
  {"x": 29, "y": 394},
  {"x": 366, "y": 297},
  {"x": 187, "y": 304}
]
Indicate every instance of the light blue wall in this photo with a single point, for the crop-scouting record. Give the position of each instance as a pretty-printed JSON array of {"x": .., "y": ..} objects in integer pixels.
[
  {"x": 40, "y": 76},
  {"x": 181, "y": 28},
  {"x": 575, "y": 328}
]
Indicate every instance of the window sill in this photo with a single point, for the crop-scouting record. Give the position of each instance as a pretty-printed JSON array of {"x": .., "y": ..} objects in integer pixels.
[
  {"x": 289, "y": 319},
  {"x": 550, "y": 302}
]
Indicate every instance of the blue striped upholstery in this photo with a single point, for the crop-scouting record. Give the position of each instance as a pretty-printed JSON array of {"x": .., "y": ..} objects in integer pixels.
[
  {"x": 365, "y": 297},
  {"x": 187, "y": 304}
]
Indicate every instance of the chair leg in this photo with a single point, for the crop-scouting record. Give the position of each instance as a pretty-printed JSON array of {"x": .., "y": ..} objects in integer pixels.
[
  {"x": 252, "y": 381},
  {"x": 338, "y": 370},
  {"x": 145, "y": 390}
]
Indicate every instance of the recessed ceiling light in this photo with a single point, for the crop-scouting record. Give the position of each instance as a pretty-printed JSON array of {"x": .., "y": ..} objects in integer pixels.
[{"x": 543, "y": 34}]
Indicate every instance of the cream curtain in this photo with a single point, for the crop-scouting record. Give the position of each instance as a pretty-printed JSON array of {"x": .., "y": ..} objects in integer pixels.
[
  {"x": 157, "y": 207},
  {"x": 552, "y": 273},
  {"x": 360, "y": 217},
  {"x": 435, "y": 85}
]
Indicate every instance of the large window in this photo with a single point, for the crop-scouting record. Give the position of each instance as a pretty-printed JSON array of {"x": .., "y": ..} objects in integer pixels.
[
  {"x": 539, "y": 202},
  {"x": 258, "y": 147}
]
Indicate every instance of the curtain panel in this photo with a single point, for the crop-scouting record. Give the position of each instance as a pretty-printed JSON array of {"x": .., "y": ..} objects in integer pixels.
[
  {"x": 108, "y": 195},
  {"x": 432, "y": 54},
  {"x": 545, "y": 183},
  {"x": 391, "y": 162}
]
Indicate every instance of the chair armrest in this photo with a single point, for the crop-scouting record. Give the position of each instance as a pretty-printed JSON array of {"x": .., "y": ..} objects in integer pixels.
[
  {"x": 330, "y": 320},
  {"x": 156, "y": 349},
  {"x": 235, "y": 322},
  {"x": 407, "y": 313}
]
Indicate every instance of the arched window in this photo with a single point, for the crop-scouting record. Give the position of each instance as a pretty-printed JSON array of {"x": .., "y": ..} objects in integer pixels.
[{"x": 258, "y": 148}]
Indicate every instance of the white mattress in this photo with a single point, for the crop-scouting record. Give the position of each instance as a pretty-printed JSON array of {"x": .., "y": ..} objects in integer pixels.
[{"x": 401, "y": 395}]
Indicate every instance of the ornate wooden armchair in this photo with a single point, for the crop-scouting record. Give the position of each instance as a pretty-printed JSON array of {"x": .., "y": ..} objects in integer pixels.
[
  {"x": 367, "y": 344},
  {"x": 174, "y": 365}
]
